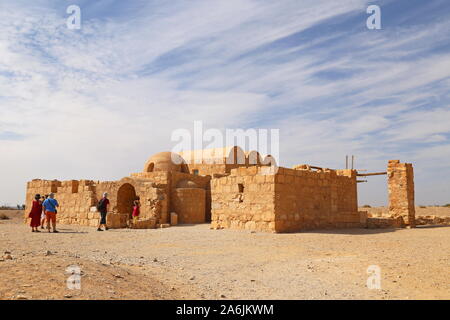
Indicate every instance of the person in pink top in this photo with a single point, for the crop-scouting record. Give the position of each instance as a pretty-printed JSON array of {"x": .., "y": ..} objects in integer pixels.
[{"x": 136, "y": 211}]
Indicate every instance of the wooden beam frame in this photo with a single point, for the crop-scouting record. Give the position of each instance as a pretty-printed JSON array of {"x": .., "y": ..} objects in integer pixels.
[{"x": 371, "y": 174}]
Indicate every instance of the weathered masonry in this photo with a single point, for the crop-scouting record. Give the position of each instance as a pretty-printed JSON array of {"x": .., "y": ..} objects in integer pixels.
[
  {"x": 231, "y": 189},
  {"x": 285, "y": 200},
  {"x": 401, "y": 191}
]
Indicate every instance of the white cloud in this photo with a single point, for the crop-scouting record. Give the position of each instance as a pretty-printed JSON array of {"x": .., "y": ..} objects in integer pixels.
[{"x": 90, "y": 104}]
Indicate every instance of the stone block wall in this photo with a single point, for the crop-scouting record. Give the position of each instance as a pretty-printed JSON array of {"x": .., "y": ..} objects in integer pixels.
[
  {"x": 189, "y": 204},
  {"x": 286, "y": 200},
  {"x": 307, "y": 199},
  {"x": 401, "y": 191},
  {"x": 217, "y": 168},
  {"x": 75, "y": 199},
  {"x": 381, "y": 223},
  {"x": 156, "y": 190},
  {"x": 74, "y": 207},
  {"x": 38, "y": 186},
  {"x": 153, "y": 190},
  {"x": 78, "y": 199},
  {"x": 202, "y": 182},
  {"x": 207, "y": 169},
  {"x": 244, "y": 200}
]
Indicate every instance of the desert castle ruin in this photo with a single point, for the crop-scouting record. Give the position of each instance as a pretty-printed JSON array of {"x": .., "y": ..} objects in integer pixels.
[{"x": 230, "y": 188}]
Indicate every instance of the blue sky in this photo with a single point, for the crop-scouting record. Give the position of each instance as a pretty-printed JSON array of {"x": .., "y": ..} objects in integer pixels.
[{"x": 97, "y": 102}]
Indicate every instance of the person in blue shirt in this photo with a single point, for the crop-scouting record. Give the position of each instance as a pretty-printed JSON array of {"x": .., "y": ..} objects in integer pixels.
[{"x": 50, "y": 205}]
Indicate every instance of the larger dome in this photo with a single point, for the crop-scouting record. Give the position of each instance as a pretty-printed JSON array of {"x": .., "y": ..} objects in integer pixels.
[{"x": 165, "y": 161}]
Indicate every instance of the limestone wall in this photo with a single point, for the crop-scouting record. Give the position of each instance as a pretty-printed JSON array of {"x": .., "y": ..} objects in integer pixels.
[
  {"x": 307, "y": 199},
  {"x": 189, "y": 204},
  {"x": 211, "y": 169},
  {"x": 257, "y": 198},
  {"x": 401, "y": 191},
  {"x": 38, "y": 186},
  {"x": 244, "y": 200},
  {"x": 207, "y": 169},
  {"x": 202, "y": 182},
  {"x": 153, "y": 191},
  {"x": 74, "y": 207},
  {"x": 77, "y": 199}
]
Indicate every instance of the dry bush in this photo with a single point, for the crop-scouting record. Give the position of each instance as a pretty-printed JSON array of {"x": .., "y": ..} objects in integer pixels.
[{"x": 4, "y": 216}]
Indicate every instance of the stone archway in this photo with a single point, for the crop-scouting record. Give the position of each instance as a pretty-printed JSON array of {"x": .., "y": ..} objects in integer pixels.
[{"x": 125, "y": 197}]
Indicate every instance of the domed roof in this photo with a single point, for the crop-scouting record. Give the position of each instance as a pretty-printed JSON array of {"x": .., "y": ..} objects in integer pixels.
[{"x": 164, "y": 161}]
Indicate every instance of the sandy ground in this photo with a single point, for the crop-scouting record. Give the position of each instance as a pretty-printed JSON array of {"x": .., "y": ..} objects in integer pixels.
[{"x": 194, "y": 262}]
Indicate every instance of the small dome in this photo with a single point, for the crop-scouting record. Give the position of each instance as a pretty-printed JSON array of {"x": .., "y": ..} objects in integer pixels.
[{"x": 164, "y": 161}]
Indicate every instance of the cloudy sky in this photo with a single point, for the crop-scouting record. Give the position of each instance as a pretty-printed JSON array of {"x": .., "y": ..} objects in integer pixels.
[{"x": 95, "y": 103}]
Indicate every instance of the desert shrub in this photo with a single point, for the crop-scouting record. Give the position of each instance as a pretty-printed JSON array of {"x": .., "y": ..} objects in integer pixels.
[
  {"x": 3, "y": 216},
  {"x": 447, "y": 205},
  {"x": 5, "y": 207},
  {"x": 423, "y": 207},
  {"x": 366, "y": 206}
]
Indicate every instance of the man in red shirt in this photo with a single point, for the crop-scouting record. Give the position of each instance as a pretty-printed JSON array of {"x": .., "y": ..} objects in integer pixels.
[{"x": 103, "y": 209}]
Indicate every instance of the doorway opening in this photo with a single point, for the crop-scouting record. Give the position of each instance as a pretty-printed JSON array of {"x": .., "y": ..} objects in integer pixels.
[{"x": 125, "y": 198}]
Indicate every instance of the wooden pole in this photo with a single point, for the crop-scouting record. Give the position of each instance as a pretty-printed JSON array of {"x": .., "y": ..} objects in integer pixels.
[{"x": 371, "y": 174}]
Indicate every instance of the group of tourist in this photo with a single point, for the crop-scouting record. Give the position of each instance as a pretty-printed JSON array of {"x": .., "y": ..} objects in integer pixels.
[{"x": 44, "y": 210}]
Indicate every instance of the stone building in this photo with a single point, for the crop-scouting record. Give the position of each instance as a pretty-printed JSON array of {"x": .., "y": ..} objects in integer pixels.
[{"x": 229, "y": 188}]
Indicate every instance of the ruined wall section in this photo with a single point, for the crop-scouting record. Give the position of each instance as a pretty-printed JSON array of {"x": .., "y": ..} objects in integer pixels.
[
  {"x": 75, "y": 199},
  {"x": 78, "y": 199},
  {"x": 307, "y": 199},
  {"x": 38, "y": 186},
  {"x": 153, "y": 190},
  {"x": 210, "y": 169},
  {"x": 189, "y": 204},
  {"x": 207, "y": 169},
  {"x": 244, "y": 200},
  {"x": 194, "y": 200},
  {"x": 401, "y": 191}
]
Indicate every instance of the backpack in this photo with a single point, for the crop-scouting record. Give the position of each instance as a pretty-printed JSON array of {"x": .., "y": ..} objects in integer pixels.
[{"x": 101, "y": 205}]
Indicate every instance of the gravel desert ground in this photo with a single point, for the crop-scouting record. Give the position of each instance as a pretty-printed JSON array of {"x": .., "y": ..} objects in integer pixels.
[{"x": 195, "y": 262}]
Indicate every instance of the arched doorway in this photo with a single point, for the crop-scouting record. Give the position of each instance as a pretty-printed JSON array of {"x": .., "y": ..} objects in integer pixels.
[{"x": 125, "y": 197}]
